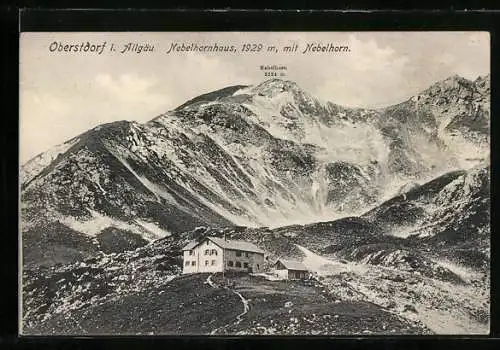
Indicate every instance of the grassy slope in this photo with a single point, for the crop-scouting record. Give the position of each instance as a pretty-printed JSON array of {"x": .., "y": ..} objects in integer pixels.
[
  {"x": 187, "y": 305},
  {"x": 312, "y": 312},
  {"x": 184, "y": 306}
]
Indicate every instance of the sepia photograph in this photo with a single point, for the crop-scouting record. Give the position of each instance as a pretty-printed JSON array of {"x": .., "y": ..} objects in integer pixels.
[{"x": 254, "y": 183}]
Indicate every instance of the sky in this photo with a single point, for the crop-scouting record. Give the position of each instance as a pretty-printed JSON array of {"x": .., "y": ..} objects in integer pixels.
[{"x": 63, "y": 94}]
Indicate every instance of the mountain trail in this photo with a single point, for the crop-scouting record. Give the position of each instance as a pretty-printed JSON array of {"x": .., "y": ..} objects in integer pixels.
[
  {"x": 210, "y": 282},
  {"x": 246, "y": 307},
  {"x": 244, "y": 301}
]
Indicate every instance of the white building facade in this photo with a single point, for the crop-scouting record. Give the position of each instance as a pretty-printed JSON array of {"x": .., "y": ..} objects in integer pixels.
[{"x": 214, "y": 254}]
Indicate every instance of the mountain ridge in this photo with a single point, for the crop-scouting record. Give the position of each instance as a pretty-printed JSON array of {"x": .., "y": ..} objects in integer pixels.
[{"x": 262, "y": 155}]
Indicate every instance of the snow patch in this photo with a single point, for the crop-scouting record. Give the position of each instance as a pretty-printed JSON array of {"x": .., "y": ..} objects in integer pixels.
[
  {"x": 95, "y": 225},
  {"x": 463, "y": 272},
  {"x": 244, "y": 91},
  {"x": 155, "y": 231},
  {"x": 325, "y": 267},
  {"x": 148, "y": 184}
]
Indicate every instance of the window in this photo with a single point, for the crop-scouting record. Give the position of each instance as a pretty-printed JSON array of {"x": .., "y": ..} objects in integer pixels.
[
  {"x": 186, "y": 263},
  {"x": 191, "y": 252},
  {"x": 214, "y": 252},
  {"x": 193, "y": 263},
  {"x": 238, "y": 253},
  {"x": 208, "y": 242},
  {"x": 245, "y": 265},
  {"x": 258, "y": 267},
  {"x": 229, "y": 263},
  {"x": 206, "y": 262},
  {"x": 213, "y": 262},
  {"x": 207, "y": 252},
  {"x": 238, "y": 264}
]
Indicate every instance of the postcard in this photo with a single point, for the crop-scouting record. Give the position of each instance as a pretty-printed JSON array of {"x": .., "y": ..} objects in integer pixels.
[{"x": 254, "y": 183}]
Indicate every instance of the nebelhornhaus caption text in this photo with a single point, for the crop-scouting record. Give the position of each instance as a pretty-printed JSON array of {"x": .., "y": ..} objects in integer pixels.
[{"x": 106, "y": 47}]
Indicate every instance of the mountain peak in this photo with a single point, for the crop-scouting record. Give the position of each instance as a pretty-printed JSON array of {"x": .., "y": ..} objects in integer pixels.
[
  {"x": 458, "y": 79},
  {"x": 275, "y": 86},
  {"x": 453, "y": 80},
  {"x": 455, "y": 77},
  {"x": 484, "y": 77},
  {"x": 483, "y": 81},
  {"x": 277, "y": 82}
]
